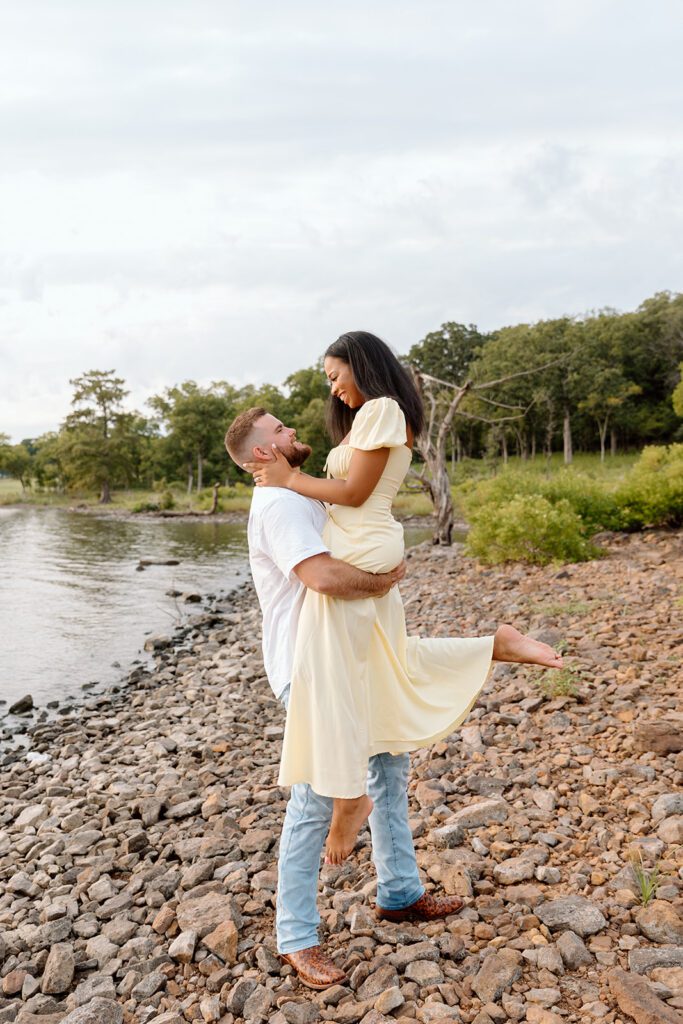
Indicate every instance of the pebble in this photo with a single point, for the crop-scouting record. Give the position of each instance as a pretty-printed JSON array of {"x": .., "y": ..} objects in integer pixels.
[{"x": 139, "y": 834}]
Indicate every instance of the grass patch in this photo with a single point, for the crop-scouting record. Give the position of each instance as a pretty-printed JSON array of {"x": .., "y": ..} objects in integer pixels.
[
  {"x": 647, "y": 879},
  {"x": 562, "y": 682}
]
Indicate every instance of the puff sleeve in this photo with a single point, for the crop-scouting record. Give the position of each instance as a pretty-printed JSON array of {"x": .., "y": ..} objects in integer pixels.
[{"x": 379, "y": 423}]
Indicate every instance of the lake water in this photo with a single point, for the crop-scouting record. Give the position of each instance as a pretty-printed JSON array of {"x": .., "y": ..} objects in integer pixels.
[{"x": 73, "y": 607}]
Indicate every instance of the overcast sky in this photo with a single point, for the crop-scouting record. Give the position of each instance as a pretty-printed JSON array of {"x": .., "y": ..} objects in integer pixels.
[{"x": 218, "y": 189}]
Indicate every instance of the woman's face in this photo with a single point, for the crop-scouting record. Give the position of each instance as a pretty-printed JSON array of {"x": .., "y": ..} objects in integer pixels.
[{"x": 342, "y": 384}]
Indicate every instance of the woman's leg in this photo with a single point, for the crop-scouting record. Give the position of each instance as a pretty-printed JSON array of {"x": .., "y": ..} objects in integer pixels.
[{"x": 347, "y": 818}]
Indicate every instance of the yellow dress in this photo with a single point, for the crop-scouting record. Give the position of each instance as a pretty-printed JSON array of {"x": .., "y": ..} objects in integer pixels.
[{"x": 360, "y": 685}]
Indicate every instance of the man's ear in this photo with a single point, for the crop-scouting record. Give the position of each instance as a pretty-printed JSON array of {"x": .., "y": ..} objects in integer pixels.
[{"x": 259, "y": 454}]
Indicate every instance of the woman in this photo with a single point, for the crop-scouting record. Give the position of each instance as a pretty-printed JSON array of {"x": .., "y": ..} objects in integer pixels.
[{"x": 360, "y": 685}]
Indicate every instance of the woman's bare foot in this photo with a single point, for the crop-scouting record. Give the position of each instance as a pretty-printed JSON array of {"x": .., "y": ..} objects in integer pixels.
[
  {"x": 347, "y": 818},
  {"x": 511, "y": 645}
]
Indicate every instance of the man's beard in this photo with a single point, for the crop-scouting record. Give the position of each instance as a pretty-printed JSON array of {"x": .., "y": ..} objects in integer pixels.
[{"x": 297, "y": 454}]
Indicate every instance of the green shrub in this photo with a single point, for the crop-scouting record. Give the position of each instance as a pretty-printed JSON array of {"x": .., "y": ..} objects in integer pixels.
[
  {"x": 528, "y": 529},
  {"x": 652, "y": 494},
  {"x": 590, "y": 499}
]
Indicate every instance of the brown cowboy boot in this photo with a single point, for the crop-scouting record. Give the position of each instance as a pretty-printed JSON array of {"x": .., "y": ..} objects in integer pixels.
[
  {"x": 427, "y": 908},
  {"x": 314, "y": 968}
]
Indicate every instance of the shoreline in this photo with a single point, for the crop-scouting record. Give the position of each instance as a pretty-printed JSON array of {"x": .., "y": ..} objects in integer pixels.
[
  {"x": 155, "y": 813},
  {"x": 230, "y": 516}
]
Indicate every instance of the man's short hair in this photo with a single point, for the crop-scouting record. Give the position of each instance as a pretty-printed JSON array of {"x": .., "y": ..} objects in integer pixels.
[{"x": 239, "y": 439}]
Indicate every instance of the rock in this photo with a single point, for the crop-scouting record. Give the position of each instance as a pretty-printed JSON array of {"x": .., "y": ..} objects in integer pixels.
[
  {"x": 486, "y": 812},
  {"x": 573, "y": 951},
  {"x": 659, "y": 922},
  {"x": 448, "y": 836},
  {"x": 300, "y": 1013},
  {"x": 424, "y": 972},
  {"x": 437, "y": 1013},
  {"x": 20, "y": 884},
  {"x": 389, "y": 1000},
  {"x": 258, "y": 1005},
  {"x": 405, "y": 955},
  {"x": 659, "y": 737},
  {"x": 642, "y": 961},
  {"x": 667, "y": 805},
  {"x": 238, "y": 995},
  {"x": 670, "y": 830},
  {"x": 575, "y": 913},
  {"x": 383, "y": 978},
  {"x": 97, "y": 1011},
  {"x": 538, "y": 1015},
  {"x": 21, "y": 706},
  {"x": 543, "y": 996},
  {"x": 183, "y": 946},
  {"x": 13, "y": 981},
  {"x": 59, "y": 969},
  {"x": 637, "y": 998},
  {"x": 101, "y": 949},
  {"x": 31, "y": 816},
  {"x": 515, "y": 869},
  {"x": 257, "y": 840},
  {"x": 151, "y": 983},
  {"x": 429, "y": 793},
  {"x": 98, "y": 986},
  {"x": 671, "y": 978},
  {"x": 203, "y": 914},
  {"x": 210, "y": 1008},
  {"x": 497, "y": 974},
  {"x": 223, "y": 942}
]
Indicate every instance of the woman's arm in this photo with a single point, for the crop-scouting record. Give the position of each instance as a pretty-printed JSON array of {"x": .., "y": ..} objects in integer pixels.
[{"x": 365, "y": 470}]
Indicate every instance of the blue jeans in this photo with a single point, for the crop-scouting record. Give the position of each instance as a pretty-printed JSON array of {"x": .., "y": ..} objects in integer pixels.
[{"x": 307, "y": 822}]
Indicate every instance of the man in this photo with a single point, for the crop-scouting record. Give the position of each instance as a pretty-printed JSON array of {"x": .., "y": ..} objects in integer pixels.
[{"x": 287, "y": 556}]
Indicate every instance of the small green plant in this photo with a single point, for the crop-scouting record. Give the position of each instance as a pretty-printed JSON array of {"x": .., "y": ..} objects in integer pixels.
[
  {"x": 647, "y": 879},
  {"x": 562, "y": 682}
]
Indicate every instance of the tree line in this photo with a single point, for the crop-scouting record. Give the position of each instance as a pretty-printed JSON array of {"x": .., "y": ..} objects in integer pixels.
[{"x": 600, "y": 382}]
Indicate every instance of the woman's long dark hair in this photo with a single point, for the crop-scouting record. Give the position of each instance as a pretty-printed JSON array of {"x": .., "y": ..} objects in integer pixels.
[{"x": 377, "y": 374}]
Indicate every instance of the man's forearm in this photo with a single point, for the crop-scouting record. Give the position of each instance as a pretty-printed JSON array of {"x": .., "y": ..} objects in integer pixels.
[
  {"x": 334, "y": 578},
  {"x": 349, "y": 583}
]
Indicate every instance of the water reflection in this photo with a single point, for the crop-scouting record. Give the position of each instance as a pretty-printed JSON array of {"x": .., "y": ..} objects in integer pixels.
[{"x": 72, "y": 602}]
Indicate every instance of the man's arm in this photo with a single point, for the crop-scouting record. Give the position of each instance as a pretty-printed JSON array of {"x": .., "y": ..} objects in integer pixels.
[{"x": 334, "y": 578}]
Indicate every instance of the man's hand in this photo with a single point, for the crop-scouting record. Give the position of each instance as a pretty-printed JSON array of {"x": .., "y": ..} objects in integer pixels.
[
  {"x": 277, "y": 473},
  {"x": 392, "y": 578}
]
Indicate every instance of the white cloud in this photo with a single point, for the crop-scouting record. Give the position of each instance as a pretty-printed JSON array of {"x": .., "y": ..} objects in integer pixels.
[{"x": 219, "y": 190}]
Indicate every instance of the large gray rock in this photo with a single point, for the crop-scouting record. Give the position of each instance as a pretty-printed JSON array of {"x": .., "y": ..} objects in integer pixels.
[
  {"x": 97, "y": 1011},
  {"x": 644, "y": 960},
  {"x": 575, "y": 913},
  {"x": 59, "y": 969},
  {"x": 486, "y": 812},
  {"x": 204, "y": 913},
  {"x": 497, "y": 974}
]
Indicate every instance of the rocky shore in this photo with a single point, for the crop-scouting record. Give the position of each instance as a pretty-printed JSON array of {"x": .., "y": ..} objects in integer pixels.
[{"x": 138, "y": 834}]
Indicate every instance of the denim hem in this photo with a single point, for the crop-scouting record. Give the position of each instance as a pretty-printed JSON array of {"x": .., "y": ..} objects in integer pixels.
[
  {"x": 295, "y": 947},
  {"x": 393, "y": 905}
]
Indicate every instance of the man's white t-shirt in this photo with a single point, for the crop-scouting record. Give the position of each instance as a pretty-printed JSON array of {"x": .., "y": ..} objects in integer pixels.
[{"x": 284, "y": 529}]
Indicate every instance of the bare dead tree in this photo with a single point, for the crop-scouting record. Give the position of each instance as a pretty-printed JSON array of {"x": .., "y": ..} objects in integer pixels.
[{"x": 440, "y": 414}]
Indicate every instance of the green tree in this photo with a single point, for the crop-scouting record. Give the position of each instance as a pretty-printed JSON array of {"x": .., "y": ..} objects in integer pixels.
[
  {"x": 16, "y": 461},
  {"x": 677, "y": 397},
  {"x": 447, "y": 353},
  {"x": 95, "y": 442},
  {"x": 196, "y": 419}
]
